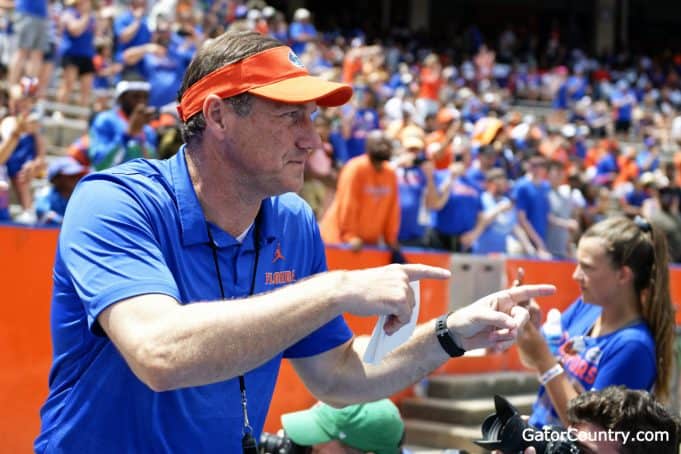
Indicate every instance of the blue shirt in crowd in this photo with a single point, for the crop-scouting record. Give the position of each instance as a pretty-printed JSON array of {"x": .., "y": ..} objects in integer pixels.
[
  {"x": 82, "y": 45},
  {"x": 624, "y": 357},
  {"x": 36, "y": 8},
  {"x": 137, "y": 229},
  {"x": 143, "y": 35},
  {"x": 412, "y": 185},
  {"x": 110, "y": 143},
  {"x": 50, "y": 207},
  {"x": 460, "y": 213},
  {"x": 493, "y": 238},
  {"x": 533, "y": 199},
  {"x": 164, "y": 73},
  {"x": 296, "y": 30}
]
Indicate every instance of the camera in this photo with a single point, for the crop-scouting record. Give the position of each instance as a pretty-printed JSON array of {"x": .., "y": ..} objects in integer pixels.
[
  {"x": 280, "y": 444},
  {"x": 509, "y": 433}
]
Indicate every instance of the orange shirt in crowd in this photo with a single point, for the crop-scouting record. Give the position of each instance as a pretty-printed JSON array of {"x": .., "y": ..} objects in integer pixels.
[
  {"x": 628, "y": 170},
  {"x": 445, "y": 155},
  {"x": 431, "y": 81},
  {"x": 366, "y": 205},
  {"x": 352, "y": 65}
]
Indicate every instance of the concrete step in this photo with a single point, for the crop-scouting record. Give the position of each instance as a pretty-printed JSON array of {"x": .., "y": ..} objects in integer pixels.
[
  {"x": 70, "y": 110},
  {"x": 62, "y": 132},
  {"x": 470, "y": 412},
  {"x": 481, "y": 385},
  {"x": 442, "y": 436}
]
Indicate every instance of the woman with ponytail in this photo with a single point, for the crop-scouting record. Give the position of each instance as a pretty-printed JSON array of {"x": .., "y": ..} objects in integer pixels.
[{"x": 619, "y": 332}]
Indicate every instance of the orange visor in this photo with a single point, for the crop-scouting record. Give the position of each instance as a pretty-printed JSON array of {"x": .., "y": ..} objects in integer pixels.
[{"x": 275, "y": 74}]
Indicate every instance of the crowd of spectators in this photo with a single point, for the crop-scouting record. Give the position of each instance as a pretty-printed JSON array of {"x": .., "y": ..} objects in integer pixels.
[{"x": 487, "y": 146}]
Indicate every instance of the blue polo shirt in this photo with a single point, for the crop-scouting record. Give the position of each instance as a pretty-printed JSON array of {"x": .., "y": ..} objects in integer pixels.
[{"x": 136, "y": 229}]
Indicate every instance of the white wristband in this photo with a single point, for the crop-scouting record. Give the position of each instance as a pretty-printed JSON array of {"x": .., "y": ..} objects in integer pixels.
[{"x": 551, "y": 374}]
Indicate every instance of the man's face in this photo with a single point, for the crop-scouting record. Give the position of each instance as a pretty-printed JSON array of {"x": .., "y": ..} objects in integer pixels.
[
  {"x": 66, "y": 184},
  {"x": 378, "y": 147},
  {"x": 539, "y": 170},
  {"x": 556, "y": 176},
  {"x": 271, "y": 144},
  {"x": 130, "y": 99},
  {"x": 592, "y": 439},
  {"x": 499, "y": 186}
]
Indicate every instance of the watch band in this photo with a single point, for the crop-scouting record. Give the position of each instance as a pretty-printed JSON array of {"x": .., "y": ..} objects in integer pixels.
[{"x": 444, "y": 336}]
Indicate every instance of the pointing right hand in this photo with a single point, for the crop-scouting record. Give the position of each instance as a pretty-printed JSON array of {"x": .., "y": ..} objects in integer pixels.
[{"x": 386, "y": 291}]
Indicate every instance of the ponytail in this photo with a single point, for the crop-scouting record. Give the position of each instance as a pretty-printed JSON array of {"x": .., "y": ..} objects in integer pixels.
[{"x": 658, "y": 312}]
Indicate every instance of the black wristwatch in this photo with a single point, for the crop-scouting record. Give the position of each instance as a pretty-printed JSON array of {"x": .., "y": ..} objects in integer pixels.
[{"x": 444, "y": 336}]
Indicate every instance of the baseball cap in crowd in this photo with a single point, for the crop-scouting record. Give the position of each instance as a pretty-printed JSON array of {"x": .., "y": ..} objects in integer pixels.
[
  {"x": 131, "y": 85},
  {"x": 374, "y": 426},
  {"x": 413, "y": 142},
  {"x": 268, "y": 12},
  {"x": 301, "y": 14},
  {"x": 447, "y": 114},
  {"x": 275, "y": 74},
  {"x": 65, "y": 165}
]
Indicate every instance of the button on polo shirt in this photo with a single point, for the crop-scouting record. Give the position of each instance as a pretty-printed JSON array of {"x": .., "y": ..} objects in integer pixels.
[{"x": 136, "y": 229}]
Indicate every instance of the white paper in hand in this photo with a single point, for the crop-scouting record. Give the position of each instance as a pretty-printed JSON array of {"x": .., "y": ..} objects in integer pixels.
[{"x": 380, "y": 343}]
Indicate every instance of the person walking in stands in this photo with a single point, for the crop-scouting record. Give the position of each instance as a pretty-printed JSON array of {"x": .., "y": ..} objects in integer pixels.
[
  {"x": 162, "y": 62},
  {"x": 416, "y": 187},
  {"x": 180, "y": 284},
  {"x": 531, "y": 196},
  {"x": 366, "y": 210},
  {"x": 456, "y": 208},
  {"x": 619, "y": 332},
  {"x": 302, "y": 30},
  {"x": 497, "y": 229},
  {"x": 32, "y": 30},
  {"x": 131, "y": 29},
  {"x": 77, "y": 51},
  {"x": 123, "y": 133}
]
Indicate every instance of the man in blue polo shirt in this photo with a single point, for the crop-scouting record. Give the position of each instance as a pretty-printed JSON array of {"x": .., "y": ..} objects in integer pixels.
[{"x": 179, "y": 285}]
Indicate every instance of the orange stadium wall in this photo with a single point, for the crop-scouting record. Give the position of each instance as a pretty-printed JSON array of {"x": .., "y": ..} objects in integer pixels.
[{"x": 25, "y": 348}]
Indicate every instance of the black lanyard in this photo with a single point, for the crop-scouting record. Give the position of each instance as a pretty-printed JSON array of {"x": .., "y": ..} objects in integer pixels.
[{"x": 248, "y": 443}]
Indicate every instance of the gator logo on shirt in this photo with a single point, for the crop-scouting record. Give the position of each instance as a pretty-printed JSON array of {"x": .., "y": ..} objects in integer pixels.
[{"x": 280, "y": 277}]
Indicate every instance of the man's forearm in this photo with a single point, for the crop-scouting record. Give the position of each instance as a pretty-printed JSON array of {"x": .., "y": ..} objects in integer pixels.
[
  {"x": 202, "y": 343},
  {"x": 355, "y": 381}
]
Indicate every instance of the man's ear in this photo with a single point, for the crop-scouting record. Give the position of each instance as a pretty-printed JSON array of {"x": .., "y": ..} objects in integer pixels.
[{"x": 214, "y": 113}]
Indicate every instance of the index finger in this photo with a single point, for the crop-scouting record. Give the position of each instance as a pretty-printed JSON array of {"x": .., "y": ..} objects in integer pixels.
[
  {"x": 525, "y": 292},
  {"x": 418, "y": 271},
  {"x": 517, "y": 295}
]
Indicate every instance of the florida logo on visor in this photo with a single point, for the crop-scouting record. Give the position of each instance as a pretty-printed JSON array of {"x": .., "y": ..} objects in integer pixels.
[{"x": 293, "y": 58}]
